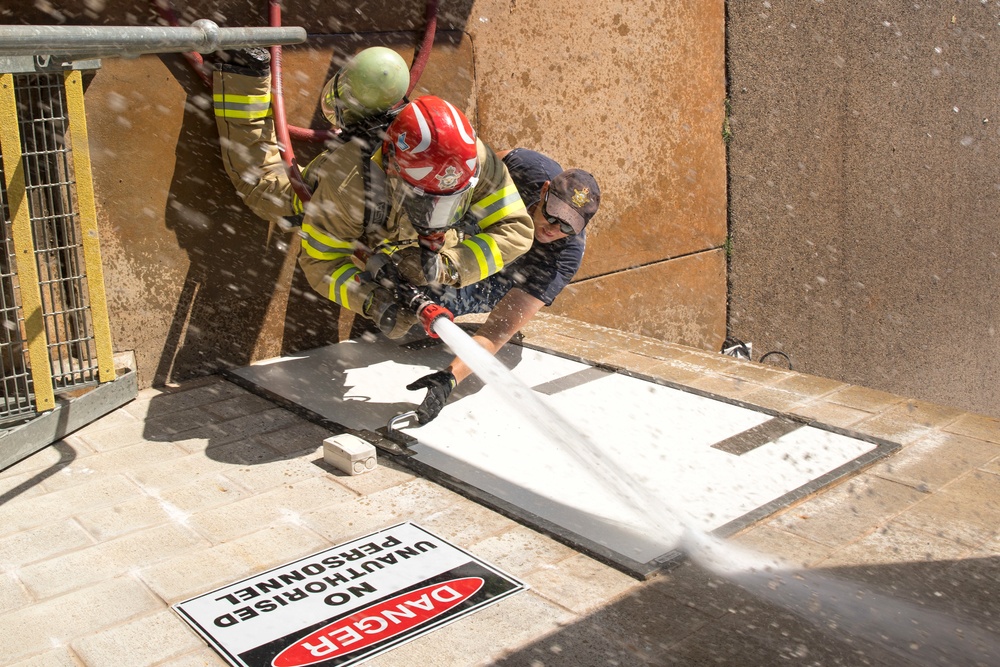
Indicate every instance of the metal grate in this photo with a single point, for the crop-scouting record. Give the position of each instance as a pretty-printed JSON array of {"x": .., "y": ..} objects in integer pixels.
[
  {"x": 50, "y": 188},
  {"x": 16, "y": 400}
]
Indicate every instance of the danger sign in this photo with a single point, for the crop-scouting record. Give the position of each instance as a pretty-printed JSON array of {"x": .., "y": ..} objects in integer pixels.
[{"x": 348, "y": 603}]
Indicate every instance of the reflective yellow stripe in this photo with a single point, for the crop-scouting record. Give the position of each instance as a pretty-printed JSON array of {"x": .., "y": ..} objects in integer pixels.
[
  {"x": 240, "y": 113},
  {"x": 326, "y": 239},
  {"x": 501, "y": 214},
  {"x": 480, "y": 258},
  {"x": 242, "y": 99},
  {"x": 339, "y": 280},
  {"x": 322, "y": 246},
  {"x": 497, "y": 206},
  {"x": 319, "y": 254},
  {"x": 242, "y": 106},
  {"x": 489, "y": 199},
  {"x": 487, "y": 254}
]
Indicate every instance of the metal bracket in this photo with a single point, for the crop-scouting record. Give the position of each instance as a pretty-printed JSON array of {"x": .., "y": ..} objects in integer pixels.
[
  {"x": 44, "y": 63},
  {"x": 387, "y": 439}
]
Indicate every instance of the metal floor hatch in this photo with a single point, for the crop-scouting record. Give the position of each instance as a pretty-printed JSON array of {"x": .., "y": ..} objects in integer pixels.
[{"x": 725, "y": 465}]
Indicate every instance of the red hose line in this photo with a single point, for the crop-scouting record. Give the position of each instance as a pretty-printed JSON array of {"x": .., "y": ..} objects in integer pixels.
[
  {"x": 423, "y": 52},
  {"x": 311, "y": 134},
  {"x": 278, "y": 106}
]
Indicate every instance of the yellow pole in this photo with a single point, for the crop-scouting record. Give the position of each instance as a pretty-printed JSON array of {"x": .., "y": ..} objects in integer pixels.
[
  {"x": 88, "y": 224},
  {"x": 24, "y": 248}
]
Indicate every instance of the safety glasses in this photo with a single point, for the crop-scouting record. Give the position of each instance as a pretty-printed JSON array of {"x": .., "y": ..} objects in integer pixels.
[{"x": 564, "y": 227}]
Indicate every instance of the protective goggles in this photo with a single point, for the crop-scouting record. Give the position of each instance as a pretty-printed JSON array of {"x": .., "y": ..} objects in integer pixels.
[
  {"x": 564, "y": 227},
  {"x": 429, "y": 212}
]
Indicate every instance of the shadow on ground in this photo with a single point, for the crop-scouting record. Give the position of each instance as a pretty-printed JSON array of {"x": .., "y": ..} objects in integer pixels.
[{"x": 653, "y": 625}]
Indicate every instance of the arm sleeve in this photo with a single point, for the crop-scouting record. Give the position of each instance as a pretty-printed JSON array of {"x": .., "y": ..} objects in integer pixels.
[
  {"x": 332, "y": 225},
  {"x": 506, "y": 229}
]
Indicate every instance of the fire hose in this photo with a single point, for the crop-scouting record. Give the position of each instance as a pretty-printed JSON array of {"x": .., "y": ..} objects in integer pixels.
[{"x": 278, "y": 107}]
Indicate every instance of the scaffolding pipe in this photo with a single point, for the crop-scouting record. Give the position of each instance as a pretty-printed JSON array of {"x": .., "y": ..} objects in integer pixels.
[{"x": 203, "y": 36}]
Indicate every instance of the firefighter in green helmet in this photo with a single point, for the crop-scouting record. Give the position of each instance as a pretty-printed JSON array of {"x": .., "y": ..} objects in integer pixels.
[
  {"x": 366, "y": 89},
  {"x": 409, "y": 181}
]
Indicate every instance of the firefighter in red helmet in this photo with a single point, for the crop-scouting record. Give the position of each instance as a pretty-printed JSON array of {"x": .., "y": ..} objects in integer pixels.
[
  {"x": 431, "y": 150},
  {"x": 430, "y": 199}
]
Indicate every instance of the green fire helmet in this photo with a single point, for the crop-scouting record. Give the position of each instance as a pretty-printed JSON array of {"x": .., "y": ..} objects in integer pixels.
[{"x": 371, "y": 82}]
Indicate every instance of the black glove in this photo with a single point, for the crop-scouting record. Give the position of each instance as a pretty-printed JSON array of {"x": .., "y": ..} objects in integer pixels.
[{"x": 439, "y": 386}]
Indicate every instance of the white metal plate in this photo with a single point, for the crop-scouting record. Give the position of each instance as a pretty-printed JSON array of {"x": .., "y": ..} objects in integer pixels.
[{"x": 660, "y": 438}]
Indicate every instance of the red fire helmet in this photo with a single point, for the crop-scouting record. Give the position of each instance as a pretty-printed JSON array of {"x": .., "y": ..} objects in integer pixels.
[{"x": 431, "y": 148}]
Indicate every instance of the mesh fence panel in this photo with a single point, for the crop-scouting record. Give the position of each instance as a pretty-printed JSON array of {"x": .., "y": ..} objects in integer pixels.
[
  {"x": 51, "y": 193},
  {"x": 50, "y": 187},
  {"x": 17, "y": 400}
]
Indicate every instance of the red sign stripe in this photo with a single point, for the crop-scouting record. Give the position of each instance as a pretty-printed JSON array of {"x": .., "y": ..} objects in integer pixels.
[{"x": 377, "y": 623}]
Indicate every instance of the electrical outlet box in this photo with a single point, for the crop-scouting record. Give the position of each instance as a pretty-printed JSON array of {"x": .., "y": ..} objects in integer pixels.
[{"x": 349, "y": 453}]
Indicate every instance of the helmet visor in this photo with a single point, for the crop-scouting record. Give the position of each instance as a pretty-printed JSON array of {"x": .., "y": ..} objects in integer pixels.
[{"x": 429, "y": 212}]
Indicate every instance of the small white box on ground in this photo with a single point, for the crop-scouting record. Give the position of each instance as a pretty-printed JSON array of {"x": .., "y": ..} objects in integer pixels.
[{"x": 349, "y": 453}]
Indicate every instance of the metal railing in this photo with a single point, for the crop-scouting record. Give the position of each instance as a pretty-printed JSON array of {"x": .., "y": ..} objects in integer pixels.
[
  {"x": 79, "y": 42},
  {"x": 55, "y": 335}
]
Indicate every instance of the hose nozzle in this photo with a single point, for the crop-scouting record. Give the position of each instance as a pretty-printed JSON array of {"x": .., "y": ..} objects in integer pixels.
[
  {"x": 417, "y": 302},
  {"x": 429, "y": 313}
]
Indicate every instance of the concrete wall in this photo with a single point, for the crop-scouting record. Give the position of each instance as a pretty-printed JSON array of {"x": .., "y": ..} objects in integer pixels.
[
  {"x": 631, "y": 91},
  {"x": 864, "y": 188}
]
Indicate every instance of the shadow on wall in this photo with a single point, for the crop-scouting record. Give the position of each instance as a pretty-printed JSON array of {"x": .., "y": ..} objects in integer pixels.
[{"x": 237, "y": 269}]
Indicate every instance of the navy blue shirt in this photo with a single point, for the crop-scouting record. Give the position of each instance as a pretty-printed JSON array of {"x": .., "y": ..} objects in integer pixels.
[{"x": 546, "y": 268}]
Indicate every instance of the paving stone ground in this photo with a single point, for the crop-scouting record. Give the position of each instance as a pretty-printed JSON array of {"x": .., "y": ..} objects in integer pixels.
[{"x": 189, "y": 488}]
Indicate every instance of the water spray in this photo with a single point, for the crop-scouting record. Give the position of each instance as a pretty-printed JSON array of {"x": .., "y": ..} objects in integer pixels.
[
  {"x": 921, "y": 636},
  {"x": 523, "y": 400}
]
